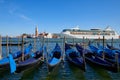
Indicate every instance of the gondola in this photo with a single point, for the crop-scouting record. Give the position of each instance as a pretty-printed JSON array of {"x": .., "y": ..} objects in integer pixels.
[
  {"x": 54, "y": 57},
  {"x": 110, "y": 54},
  {"x": 112, "y": 48},
  {"x": 31, "y": 62},
  {"x": 96, "y": 58},
  {"x": 73, "y": 57},
  {"x": 4, "y": 63},
  {"x": 100, "y": 51}
]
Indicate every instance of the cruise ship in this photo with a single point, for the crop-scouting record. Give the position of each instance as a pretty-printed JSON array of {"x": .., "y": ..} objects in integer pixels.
[{"x": 76, "y": 32}]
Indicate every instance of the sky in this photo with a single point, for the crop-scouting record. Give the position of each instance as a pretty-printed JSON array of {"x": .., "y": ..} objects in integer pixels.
[{"x": 52, "y": 16}]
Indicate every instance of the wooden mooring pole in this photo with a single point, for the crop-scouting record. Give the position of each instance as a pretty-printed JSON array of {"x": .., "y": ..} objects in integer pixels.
[
  {"x": 18, "y": 43},
  {"x": 46, "y": 50},
  {"x": 99, "y": 40},
  {"x": 0, "y": 47},
  {"x": 73, "y": 41},
  {"x": 63, "y": 56},
  {"x": 103, "y": 55},
  {"x": 10, "y": 40},
  {"x": 43, "y": 46},
  {"x": 83, "y": 52},
  {"x": 117, "y": 60},
  {"x": 112, "y": 42},
  {"x": 7, "y": 50},
  {"x": 34, "y": 49},
  {"x": 83, "y": 41},
  {"x": 22, "y": 47}
]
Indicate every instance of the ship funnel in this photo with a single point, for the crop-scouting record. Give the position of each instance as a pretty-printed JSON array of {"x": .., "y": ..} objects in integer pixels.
[{"x": 108, "y": 28}]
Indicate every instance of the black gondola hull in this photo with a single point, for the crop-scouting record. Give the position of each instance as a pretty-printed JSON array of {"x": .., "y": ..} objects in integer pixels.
[
  {"x": 21, "y": 68},
  {"x": 100, "y": 63}
]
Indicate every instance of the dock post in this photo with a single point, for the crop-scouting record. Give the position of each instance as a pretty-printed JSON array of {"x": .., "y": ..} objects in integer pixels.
[
  {"x": 7, "y": 50},
  {"x": 112, "y": 42},
  {"x": 0, "y": 47},
  {"x": 43, "y": 46},
  {"x": 10, "y": 40},
  {"x": 103, "y": 55},
  {"x": 46, "y": 56},
  {"x": 83, "y": 41},
  {"x": 83, "y": 52},
  {"x": 40, "y": 41},
  {"x": 99, "y": 40},
  {"x": 43, "y": 41},
  {"x": 47, "y": 48},
  {"x": 22, "y": 48},
  {"x": 73, "y": 41},
  {"x": 18, "y": 43},
  {"x": 63, "y": 49},
  {"x": 117, "y": 61},
  {"x": 34, "y": 45}
]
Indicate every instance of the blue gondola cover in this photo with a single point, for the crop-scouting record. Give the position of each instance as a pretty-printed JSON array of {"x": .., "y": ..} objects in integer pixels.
[{"x": 12, "y": 64}]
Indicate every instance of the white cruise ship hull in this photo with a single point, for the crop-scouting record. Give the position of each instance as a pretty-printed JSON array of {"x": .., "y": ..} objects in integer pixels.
[{"x": 89, "y": 36}]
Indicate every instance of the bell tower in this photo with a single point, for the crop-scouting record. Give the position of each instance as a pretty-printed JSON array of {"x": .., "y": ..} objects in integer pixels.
[{"x": 36, "y": 31}]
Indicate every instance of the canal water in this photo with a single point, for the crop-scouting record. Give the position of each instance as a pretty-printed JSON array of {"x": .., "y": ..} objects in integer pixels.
[{"x": 64, "y": 71}]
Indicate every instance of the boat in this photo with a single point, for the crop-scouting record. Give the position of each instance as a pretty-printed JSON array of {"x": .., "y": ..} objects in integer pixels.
[
  {"x": 112, "y": 47},
  {"x": 100, "y": 62},
  {"x": 115, "y": 50},
  {"x": 95, "y": 60},
  {"x": 102, "y": 52},
  {"x": 34, "y": 60},
  {"x": 110, "y": 54},
  {"x": 95, "y": 50},
  {"x": 13, "y": 44},
  {"x": 89, "y": 34},
  {"x": 80, "y": 49},
  {"x": 4, "y": 62},
  {"x": 54, "y": 57},
  {"x": 27, "y": 51},
  {"x": 73, "y": 57}
]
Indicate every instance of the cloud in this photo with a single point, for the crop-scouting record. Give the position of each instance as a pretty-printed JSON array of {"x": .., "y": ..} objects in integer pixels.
[
  {"x": 24, "y": 17},
  {"x": 16, "y": 12}
]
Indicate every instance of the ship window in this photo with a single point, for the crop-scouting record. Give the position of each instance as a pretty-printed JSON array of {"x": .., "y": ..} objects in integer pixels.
[{"x": 66, "y": 30}]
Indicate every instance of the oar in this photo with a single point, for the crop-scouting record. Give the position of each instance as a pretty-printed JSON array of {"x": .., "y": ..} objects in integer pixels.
[{"x": 0, "y": 47}]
